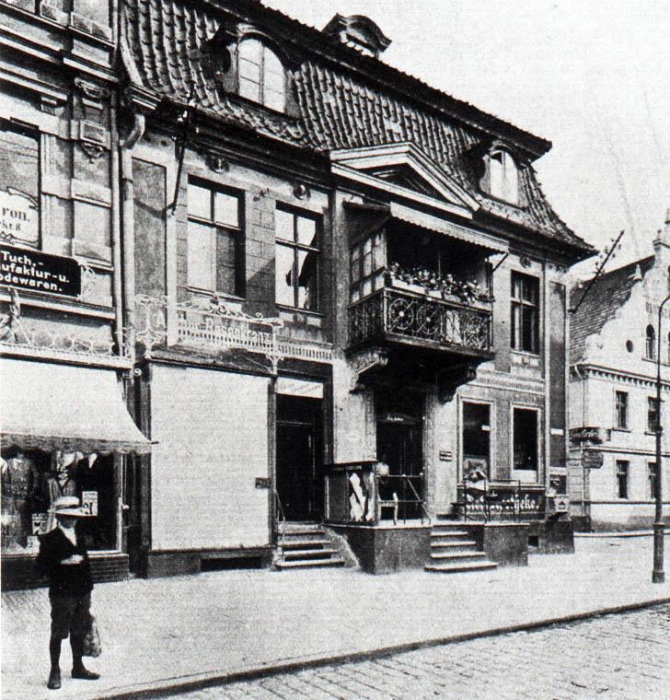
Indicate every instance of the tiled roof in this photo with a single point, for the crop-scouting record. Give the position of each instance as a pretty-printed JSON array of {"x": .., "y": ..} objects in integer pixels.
[
  {"x": 604, "y": 299},
  {"x": 338, "y": 108}
]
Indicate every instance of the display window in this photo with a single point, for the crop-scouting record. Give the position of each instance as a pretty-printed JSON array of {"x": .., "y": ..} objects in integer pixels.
[{"x": 32, "y": 481}]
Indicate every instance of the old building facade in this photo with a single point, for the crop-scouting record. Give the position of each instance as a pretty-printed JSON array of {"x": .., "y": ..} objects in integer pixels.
[
  {"x": 614, "y": 364},
  {"x": 342, "y": 291},
  {"x": 65, "y": 426}
]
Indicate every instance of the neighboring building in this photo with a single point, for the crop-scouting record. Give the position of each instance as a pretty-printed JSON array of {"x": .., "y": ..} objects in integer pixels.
[
  {"x": 327, "y": 264},
  {"x": 62, "y": 346},
  {"x": 613, "y": 405}
]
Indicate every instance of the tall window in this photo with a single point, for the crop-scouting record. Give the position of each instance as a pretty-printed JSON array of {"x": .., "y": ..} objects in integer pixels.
[
  {"x": 621, "y": 410},
  {"x": 476, "y": 436},
  {"x": 651, "y": 343},
  {"x": 19, "y": 187},
  {"x": 525, "y": 439},
  {"x": 297, "y": 259},
  {"x": 525, "y": 313},
  {"x": 261, "y": 75},
  {"x": 368, "y": 260},
  {"x": 214, "y": 239},
  {"x": 503, "y": 176},
  {"x": 652, "y": 414},
  {"x": 622, "y": 469},
  {"x": 652, "y": 474}
]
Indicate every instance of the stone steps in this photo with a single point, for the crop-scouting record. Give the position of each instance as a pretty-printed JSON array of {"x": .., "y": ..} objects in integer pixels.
[
  {"x": 452, "y": 550},
  {"x": 304, "y": 545}
]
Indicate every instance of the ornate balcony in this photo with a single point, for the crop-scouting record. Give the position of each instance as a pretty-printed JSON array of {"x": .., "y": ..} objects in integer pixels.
[{"x": 408, "y": 318}]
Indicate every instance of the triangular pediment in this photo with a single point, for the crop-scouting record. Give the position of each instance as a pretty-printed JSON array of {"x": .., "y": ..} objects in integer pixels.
[{"x": 404, "y": 170}]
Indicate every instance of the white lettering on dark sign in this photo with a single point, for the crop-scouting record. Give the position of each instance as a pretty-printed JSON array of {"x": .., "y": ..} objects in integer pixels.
[{"x": 39, "y": 272}]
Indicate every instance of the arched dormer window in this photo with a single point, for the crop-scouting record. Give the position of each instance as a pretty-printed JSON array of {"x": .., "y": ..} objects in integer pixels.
[
  {"x": 650, "y": 347},
  {"x": 261, "y": 75},
  {"x": 501, "y": 179}
]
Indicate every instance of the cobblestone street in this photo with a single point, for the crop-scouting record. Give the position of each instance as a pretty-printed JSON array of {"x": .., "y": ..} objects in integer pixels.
[{"x": 622, "y": 657}]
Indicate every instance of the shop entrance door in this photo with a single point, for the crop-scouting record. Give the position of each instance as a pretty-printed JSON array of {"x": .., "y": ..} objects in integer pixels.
[
  {"x": 299, "y": 458},
  {"x": 400, "y": 445}
]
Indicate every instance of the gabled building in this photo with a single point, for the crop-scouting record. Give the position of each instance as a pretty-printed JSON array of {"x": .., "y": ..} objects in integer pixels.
[
  {"x": 343, "y": 293},
  {"x": 614, "y": 364}
]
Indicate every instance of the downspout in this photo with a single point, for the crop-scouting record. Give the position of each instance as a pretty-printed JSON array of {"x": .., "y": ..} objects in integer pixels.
[{"x": 117, "y": 288}]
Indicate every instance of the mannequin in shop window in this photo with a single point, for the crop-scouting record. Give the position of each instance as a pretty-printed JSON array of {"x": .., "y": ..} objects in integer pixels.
[{"x": 21, "y": 497}]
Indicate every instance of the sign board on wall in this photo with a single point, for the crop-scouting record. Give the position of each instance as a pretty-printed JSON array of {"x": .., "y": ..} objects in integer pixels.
[
  {"x": 592, "y": 459},
  {"x": 39, "y": 272},
  {"x": 19, "y": 217}
]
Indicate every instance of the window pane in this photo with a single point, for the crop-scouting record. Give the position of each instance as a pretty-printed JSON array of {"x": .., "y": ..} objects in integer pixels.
[
  {"x": 306, "y": 231},
  {"x": 226, "y": 262},
  {"x": 200, "y": 259},
  {"x": 227, "y": 209},
  {"x": 307, "y": 280},
  {"x": 250, "y": 90},
  {"x": 476, "y": 431},
  {"x": 199, "y": 201},
  {"x": 284, "y": 276},
  {"x": 274, "y": 100},
  {"x": 251, "y": 50},
  {"x": 250, "y": 70},
  {"x": 284, "y": 225}
]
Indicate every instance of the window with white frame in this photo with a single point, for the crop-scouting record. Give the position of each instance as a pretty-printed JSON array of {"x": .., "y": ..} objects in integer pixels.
[
  {"x": 368, "y": 260},
  {"x": 622, "y": 475},
  {"x": 526, "y": 449},
  {"x": 261, "y": 75},
  {"x": 652, "y": 414},
  {"x": 476, "y": 437},
  {"x": 214, "y": 239},
  {"x": 502, "y": 176},
  {"x": 650, "y": 347},
  {"x": 525, "y": 310},
  {"x": 621, "y": 410},
  {"x": 297, "y": 259}
]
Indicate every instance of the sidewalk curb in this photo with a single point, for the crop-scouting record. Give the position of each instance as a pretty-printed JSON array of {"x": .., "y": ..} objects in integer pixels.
[{"x": 179, "y": 685}]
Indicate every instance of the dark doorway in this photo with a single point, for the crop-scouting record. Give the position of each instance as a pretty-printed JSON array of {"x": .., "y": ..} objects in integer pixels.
[
  {"x": 299, "y": 457},
  {"x": 400, "y": 446}
]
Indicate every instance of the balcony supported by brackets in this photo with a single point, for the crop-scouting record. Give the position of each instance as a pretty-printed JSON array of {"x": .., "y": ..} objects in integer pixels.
[{"x": 421, "y": 306}]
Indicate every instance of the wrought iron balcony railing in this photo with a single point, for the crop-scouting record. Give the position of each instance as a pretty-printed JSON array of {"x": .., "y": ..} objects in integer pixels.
[{"x": 403, "y": 315}]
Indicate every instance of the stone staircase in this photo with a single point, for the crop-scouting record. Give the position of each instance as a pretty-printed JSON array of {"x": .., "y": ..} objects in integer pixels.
[
  {"x": 304, "y": 545},
  {"x": 452, "y": 550}
]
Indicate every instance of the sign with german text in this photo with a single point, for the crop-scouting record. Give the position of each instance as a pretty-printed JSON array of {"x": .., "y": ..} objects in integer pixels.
[
  {"x": 89, "y": 502},
  {"x": 39, "y": 272},
  {"x": 19, "y": 217}
]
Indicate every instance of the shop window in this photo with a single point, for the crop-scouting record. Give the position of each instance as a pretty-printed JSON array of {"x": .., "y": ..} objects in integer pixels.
[
  {"x": 476, "y": 437},
  {"x": 261, "y": 75},
  {"x": 297, "y": 259},
  {"x": 621, "y": 410},
  {"x": 501, "y": 179},
  {"x": 32, "y": 481},
  {"x": 19, "y": 186},
  {"x": 368, "y": 260},
  {"x": 214, "y": 239},
  {"x": 525, "y": 320},
  {"x": 526, "y": 439},
  {"x": 652, "y": 414},
  {"x": 650, "y": 347},
  {"x": 622, "y": 473},
  {"x": 652, "y": 475}
]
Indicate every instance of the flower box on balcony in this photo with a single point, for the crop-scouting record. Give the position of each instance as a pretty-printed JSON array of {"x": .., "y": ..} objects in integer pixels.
[{"x": 408, "y": 287}]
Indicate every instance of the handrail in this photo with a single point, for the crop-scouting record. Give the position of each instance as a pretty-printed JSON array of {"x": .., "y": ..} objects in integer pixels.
[{"x": 280, "y": 516}]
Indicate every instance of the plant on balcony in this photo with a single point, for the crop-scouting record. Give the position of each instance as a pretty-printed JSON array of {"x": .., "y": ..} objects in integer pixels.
[{"x": 428, "y": 280}]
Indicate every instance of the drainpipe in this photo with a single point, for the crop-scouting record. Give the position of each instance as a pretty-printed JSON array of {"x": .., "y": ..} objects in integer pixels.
[{"x": 117, "y": 289}]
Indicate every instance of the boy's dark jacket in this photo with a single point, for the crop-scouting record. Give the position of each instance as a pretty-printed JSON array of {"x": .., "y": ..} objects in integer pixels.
[{"x": 64, "y": 579}]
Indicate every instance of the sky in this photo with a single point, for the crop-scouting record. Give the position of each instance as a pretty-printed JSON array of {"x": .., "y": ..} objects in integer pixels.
[{"x": 591, "y": 76}]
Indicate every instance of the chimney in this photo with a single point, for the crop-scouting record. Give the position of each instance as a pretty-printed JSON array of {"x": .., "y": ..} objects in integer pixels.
[{"x": 358, "y": 32}]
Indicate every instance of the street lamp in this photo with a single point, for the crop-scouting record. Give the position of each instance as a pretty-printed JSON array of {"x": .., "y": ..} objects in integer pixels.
[{"x": 657, "y": 574}]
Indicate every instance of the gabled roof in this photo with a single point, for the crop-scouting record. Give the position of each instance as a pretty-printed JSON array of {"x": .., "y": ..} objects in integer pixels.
[
  {"x": 346, "y": 101},
  {"x": 605, "y": 298}
]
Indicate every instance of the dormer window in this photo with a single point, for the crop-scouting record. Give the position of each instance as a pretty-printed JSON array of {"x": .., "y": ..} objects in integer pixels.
[
  {"x": 501, "y": 179},
  {"x": 261, "y": 75}
]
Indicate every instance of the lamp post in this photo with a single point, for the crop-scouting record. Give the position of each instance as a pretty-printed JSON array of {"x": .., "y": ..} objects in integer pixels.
[{"x": 657, "y": 574}]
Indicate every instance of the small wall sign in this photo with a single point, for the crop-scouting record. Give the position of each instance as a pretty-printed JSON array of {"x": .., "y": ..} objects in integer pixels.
[{"x": 446, "y": 456}]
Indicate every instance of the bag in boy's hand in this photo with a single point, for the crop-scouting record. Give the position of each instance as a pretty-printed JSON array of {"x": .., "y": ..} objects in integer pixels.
[{"x": 92, "y": 643}]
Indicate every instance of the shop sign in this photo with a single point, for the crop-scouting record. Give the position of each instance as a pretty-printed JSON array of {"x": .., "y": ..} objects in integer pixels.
[
  {"x": 19, "y": 217},
  {"x": 445, "y": 456},
  {"x": 89, "y": 502},
  {"x": 39, "y": 272},
  {"x": 592, "y": 459},
  {"x": 587, "y": 434}
]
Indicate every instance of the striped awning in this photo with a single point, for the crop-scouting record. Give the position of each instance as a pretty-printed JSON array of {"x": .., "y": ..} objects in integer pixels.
[{"x": 46, "y": 406}]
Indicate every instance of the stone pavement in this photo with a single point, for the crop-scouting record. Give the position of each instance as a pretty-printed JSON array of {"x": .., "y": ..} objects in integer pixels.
[
  {"x": 566, "y": 661},
  {"x": 190, "y": 631}
]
